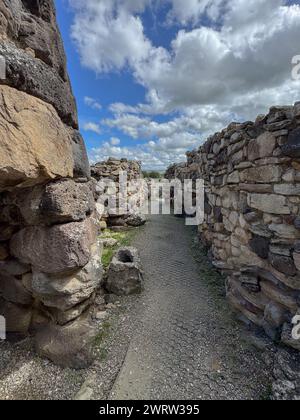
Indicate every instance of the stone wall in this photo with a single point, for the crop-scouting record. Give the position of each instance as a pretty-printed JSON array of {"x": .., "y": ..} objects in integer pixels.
[
  {"x": 129, "y": 213},
  {"x": 252, "y": 215},
  {"x": 49, "y": 258}
]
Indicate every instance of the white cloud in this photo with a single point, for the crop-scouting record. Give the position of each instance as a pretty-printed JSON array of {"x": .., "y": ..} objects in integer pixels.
[
  {"x": 108, "y": 35},
  {"x": 93, "y": 127},
  {"x": 228, "y": 60},
  {"x": 92, "y": 103},
  {"x": 115, "y": 141},
  {"x": 193, "y": 10}
]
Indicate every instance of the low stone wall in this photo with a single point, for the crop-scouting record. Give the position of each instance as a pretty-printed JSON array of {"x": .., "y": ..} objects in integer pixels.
[
  {"x": 50, "y": 263},
  {"x": 135, "y": 194},
  {"x": 252, "y": 208}
]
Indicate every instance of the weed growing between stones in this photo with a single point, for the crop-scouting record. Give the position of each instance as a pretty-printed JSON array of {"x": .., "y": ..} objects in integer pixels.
[{"x": 124, "y": 238}]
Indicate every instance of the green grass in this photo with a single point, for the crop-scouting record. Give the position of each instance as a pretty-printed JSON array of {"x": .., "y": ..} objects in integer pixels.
[
  {"x": 124, "y": 239},
  {"x": 102, "y": 334}
]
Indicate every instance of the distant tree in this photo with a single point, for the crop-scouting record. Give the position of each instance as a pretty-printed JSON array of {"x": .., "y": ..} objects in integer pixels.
[{"x": 152, "y": 174}]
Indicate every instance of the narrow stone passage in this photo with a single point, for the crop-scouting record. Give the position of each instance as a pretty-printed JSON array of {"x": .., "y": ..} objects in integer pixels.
[{"x": 186, "y": 344}]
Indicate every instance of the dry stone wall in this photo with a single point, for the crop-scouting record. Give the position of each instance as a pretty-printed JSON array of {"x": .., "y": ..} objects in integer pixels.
[
  {"x": 129, "y": 202},
  {"x": 49, "y": 257},
  {"x": 252, "y": 215}
]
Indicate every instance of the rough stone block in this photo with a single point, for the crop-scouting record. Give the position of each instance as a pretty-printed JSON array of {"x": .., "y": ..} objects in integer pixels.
[
  {"x": 35, "y": 144},
  {"x": 261, "y": 174},
  {"x": 124, "y": 275},
  {"x": 18, "y": 318},
  {"x": 283, "y": 264},
  {"x": 70, "y": 246},
  {"x": 69, "y": 346},
  {"x": 269, "y": 203},
  {"x": 65, "y": 293},
  {"x": 261, "y": 147}
]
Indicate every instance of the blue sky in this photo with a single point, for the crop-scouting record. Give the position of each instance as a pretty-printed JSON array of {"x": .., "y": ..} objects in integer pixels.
[{"x": 153, "y": 79}]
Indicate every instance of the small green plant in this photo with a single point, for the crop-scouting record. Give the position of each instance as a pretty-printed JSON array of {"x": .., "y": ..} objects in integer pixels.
[
  {"x": 124, "y": 239},
  {"x": 102, "y": 334}
]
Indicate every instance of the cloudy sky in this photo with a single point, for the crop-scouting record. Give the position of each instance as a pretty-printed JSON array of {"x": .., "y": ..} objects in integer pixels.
[{"x": 154, "y": 78}]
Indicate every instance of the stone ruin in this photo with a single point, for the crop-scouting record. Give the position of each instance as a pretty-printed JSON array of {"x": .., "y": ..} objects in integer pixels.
[
  {"x": 252, "y": 215},
  {"x": 129, "y": 215},
  {"x": 124, "y": 276},
  {"x": 50, "y": 262}
]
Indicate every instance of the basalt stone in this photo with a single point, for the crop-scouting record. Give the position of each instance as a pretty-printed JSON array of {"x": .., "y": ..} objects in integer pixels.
[
  {"x": 34, "y": 77},
  {"x": 14, "y": 268},
  {"x": 296, "y": 256},
  {"x": 4, "y": 251},
  {"x": 276, "y": 315},
  {"x": 18, "y": 318},
  {"x": 71, "y": 345},
  {"x": 292, "y": 147},
  {"x": 260, "y": 246},
  {"x": 13, "y": 290},
  {"x": 218, "y": 215},
  {"x": 124, "y": 275},
  {"x": 297, "y": 223},
  {"x": 66, "y": 201},
  {"x": 135, "y": 220},
  {"x": 31, "y": 24},
  {"x": 65, "y": 292},
  {"x": 283, "y": 264},
  {"x": 6, "y": 232},
  {"x": 57, "y": 249},
  {"x": 64, "y": 317},
  {"x": 81, "y": 161}
]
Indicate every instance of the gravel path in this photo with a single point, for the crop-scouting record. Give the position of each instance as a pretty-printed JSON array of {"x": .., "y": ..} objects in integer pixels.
[
  {"x": 186, "y": 344},
  {"x": 178, "y": 340}
]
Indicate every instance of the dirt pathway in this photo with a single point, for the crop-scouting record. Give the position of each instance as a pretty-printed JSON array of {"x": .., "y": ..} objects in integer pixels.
[{"x": 185, "y": 344}]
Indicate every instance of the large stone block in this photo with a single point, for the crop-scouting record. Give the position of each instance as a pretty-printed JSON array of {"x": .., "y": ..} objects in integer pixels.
[
  {"x": 124, "y": 275},
  {"x": 283, "y": 264},
  {"x": 36, "y": 78},
  {"x": 261, "y": 147},
  {"x": 292, "y": 146},
  {"x": 288, "y": 299},
  {"x": 35, "y": 145},
  {"x": 57, "y": 202},
  {"x": 287, "y": 189},
  {"x": 57, "y": 249},
  {"x": 269, "y": 203},
  {"x": 260, "y": 245},
  {"x": 81, "y": 161},
  {"x": 285, "y": 231},
  {"x": 66, "y": 292},
  {"x": 32, "y": 25},
  {"x": 70, "y": 346},
  {"x": 262, "y": 174}
]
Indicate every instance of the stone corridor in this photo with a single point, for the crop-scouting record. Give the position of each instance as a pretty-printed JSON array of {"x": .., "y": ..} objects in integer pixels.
[{"x": 186, "y": 343}]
